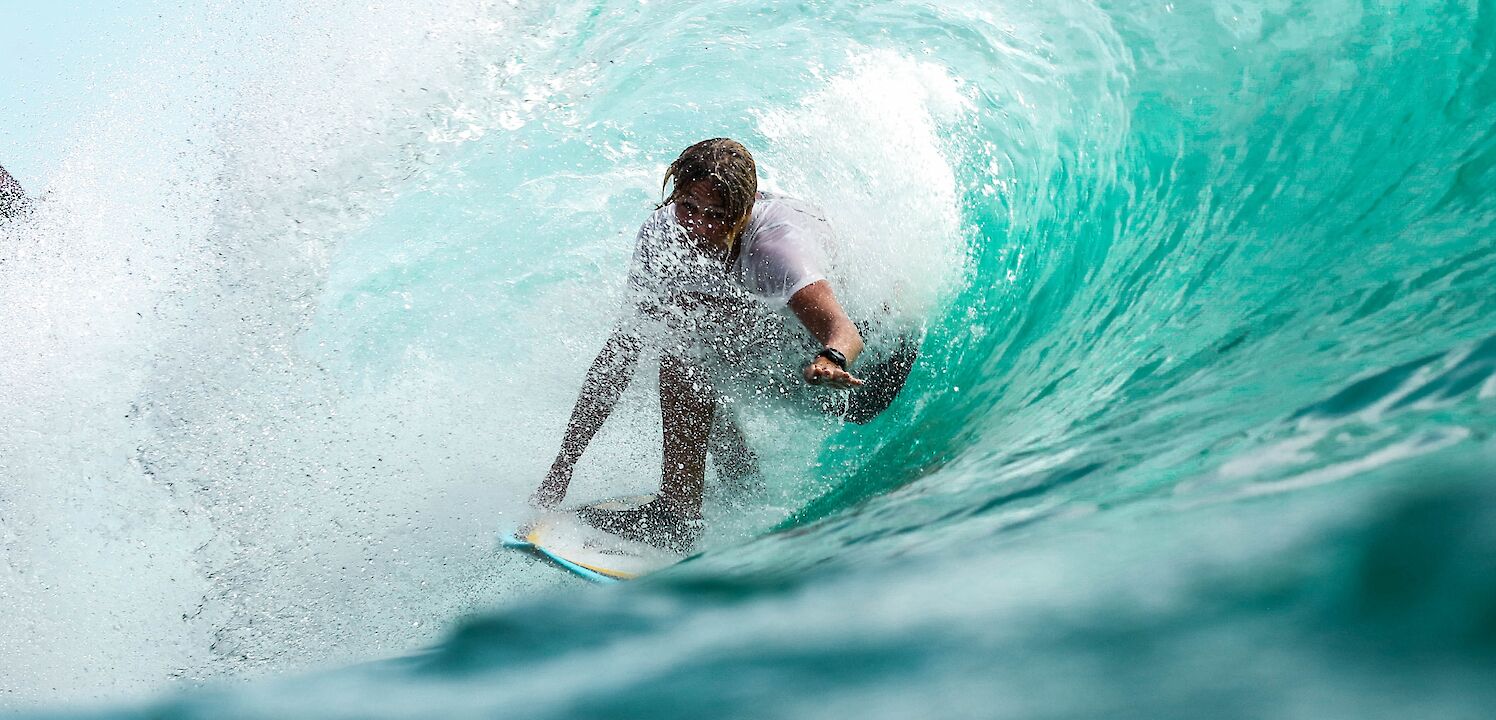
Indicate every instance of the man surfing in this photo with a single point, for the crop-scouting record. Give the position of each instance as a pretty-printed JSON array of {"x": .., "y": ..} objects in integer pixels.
[{"x": 711, "y": 258}]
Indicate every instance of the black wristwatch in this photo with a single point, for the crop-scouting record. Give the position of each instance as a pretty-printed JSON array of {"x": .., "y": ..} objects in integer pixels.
[{"x": 834, "y": 356}]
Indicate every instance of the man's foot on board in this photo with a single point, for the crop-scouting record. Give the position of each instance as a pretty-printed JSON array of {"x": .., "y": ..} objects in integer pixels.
[{"x": 653, "y": 523}]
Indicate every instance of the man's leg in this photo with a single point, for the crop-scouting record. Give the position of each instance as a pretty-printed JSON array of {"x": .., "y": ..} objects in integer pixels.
[
  {"x": 687, "y": 404},
  {"x": 673, "y": 519},
  {"x": 737, "y": 465}
]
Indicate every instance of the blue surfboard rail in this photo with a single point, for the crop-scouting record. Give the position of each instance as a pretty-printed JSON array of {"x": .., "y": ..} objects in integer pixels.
[{"x": 510, "y": 540}]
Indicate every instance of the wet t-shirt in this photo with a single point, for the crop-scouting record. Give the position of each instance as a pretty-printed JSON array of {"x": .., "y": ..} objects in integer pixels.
[
  {"x": 783, "y": 251},
  {"x": 730, "y": 316}
]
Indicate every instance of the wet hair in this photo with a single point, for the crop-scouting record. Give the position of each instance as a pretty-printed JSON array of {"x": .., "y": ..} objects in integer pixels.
[{"x": 728, "y": 166}]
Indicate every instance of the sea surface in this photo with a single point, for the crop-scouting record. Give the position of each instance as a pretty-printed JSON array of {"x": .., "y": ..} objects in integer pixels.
[{"x": 1202, "y": 424}]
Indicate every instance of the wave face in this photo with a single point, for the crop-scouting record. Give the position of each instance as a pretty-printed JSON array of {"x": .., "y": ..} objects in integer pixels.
[{"x": 1201, "y": 425}]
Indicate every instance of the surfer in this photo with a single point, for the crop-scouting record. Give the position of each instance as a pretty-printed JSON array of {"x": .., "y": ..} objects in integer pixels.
[
  {"x": 12, "y": 197},
  {"x": 712, "y": 257}
]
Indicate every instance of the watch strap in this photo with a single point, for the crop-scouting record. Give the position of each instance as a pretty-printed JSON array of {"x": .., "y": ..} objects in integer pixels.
[{"x": 835, "y": 356}]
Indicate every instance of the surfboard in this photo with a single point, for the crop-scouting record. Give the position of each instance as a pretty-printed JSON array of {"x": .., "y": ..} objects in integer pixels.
[{"x": 562, "y": 538}]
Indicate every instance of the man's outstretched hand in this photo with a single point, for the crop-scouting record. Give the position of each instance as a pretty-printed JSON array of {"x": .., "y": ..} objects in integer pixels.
[{"x": 822, "y": 371}]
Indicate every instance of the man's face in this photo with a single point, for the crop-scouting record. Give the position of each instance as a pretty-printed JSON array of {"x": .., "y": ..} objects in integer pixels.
[{"x": 699, "y": 209}]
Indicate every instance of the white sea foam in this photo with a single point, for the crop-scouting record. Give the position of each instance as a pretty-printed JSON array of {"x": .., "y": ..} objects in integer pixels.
[
  {"x": 167, "y": 512},
  {"x": 868, "y": 147}
]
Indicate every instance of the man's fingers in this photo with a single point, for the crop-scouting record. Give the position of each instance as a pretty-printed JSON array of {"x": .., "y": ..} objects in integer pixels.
[
  {"x": 815, "y": 374},
  {"x": 836, "y": 377}
]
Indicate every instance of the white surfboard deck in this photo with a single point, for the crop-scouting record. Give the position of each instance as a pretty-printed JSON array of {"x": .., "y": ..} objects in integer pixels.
[{"x": 597, "y": 555}]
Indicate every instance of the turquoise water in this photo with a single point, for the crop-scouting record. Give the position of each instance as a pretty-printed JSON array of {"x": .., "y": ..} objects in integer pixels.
[{"x": 1202, "y": 426}]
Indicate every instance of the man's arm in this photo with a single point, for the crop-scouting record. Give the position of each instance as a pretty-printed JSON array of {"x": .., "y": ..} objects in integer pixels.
[
  {"x": 816, "y": 307},
  {"x": 606, "y": 380}
]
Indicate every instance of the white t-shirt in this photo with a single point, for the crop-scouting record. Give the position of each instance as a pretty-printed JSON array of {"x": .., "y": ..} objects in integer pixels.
[{"x": 783, "y": 250}]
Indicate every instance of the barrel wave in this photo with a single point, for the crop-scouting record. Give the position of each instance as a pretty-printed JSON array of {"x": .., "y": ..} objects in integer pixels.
[{"x": 1201, "y": 423}]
